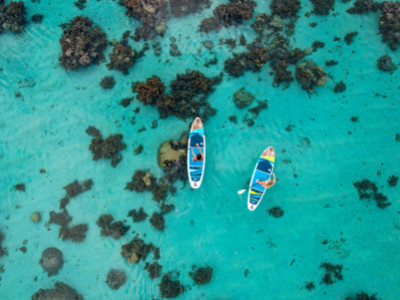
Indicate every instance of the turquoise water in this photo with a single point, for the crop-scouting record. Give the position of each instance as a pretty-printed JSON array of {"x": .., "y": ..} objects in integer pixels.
[{"x": 45, "y": 128}]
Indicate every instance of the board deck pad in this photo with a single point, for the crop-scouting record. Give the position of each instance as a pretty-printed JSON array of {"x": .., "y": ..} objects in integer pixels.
[
  {"x": 196, "y": 168},
  {"x": 262, "y": 172}
]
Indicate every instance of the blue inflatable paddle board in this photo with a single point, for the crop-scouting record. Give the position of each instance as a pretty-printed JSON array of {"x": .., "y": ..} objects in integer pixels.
[
  {"x": 262, "y": 172},
  {"x": 196, "y": 155}
]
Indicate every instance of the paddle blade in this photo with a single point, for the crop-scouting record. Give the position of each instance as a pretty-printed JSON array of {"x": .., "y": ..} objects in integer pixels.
[{"x": 241, "y": 191}]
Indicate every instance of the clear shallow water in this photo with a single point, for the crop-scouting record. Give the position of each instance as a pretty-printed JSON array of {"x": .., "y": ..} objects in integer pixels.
[{"x": 210, "y": 226}]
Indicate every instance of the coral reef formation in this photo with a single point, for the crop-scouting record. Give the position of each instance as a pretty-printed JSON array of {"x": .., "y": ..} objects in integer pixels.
[
  {"x": 242, "y": 98},
  {"x": 106, "y": 149},
  {"x": 157, "y": 220},
  {"x": 82, "y": 44},
  {"x": 233, "y": 13},
  {"x": 123, "y": 57},
  {"x": 309, "y": 75},
  {"x": 136, "y": 250},
  {"x": 3, "y": 251},
  {"x": 285, "y": 8},
  {"x": 368, "y": 190},
  {"x": 332, "y": 273},
  {"x": 389, "y": 23},
  {"x": 185, "y": 7},
  {"x": 340, "y": 87},
  {"x": 363, "y": 296},
  {"x": 151, "y": 13},
  {"x": 252, "y": 60},
  {"x": 12, "y": 17},
  {"x": 110, "y": 228},
  {"x": 170, "y": 288},
  {"x": 107, "y": 82},
  {"x": 115, "y": 279},
  {"x": 52, "y": 260},
  {"x": 154, "y": 269},
  {"x": 75, "y": 233},
  {"x": 137, "y": 215},
  {"x": 276, "y": 212},
  {"x": 386, "y": 64},
  {"x": 201, "y": 275},
  {"x": 322, "y": 7},
  {"x": 188, "y": 95},
  {"x": 61, "y": 291}
]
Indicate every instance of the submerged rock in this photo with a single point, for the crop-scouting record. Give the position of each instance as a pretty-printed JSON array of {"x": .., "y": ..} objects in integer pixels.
[
  {"x": 52, "y": 260},
  {"x": 35, "y": 217},
  {"x": 168, "y": 153}
]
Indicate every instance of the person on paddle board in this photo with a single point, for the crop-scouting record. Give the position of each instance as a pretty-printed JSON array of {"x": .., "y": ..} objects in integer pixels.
[
  {"x": 198, "y": 157},
  {"x": 267, "y": 184}
]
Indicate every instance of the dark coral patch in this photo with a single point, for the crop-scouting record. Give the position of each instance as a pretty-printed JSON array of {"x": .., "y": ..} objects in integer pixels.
[
  {"x": 157, "y": 220},
  {"x": 332, "y": 274},
  {"x": 185, "y": 7},
  {"x": 107, "y": 82},
  {"x": 106, "y": 149},
  {"x": 75, "y": 233},
  {"x": 61, "y": 291},
  {"x": 82, "y": 44},
  {"x": 137, "y": 215},
  {"x": 368, "y": 190},
  {"x": 110, "y": 228},
  {"x": 136, "y": 250},
  {"x": 12, "y": 17},
  {"x": 170, "y": 288},
  {"x": 201, "y": 275},
  {"x": 276, "y": 212},
  {"x": 153, "y": 269},
  {"x": 386, "y": 64},
  {"x": 322, "y": 7},
  {"x": 115, "y": 279},
  {"x": 152, "y": 14},
  {"x": 392, "y": 180}
]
